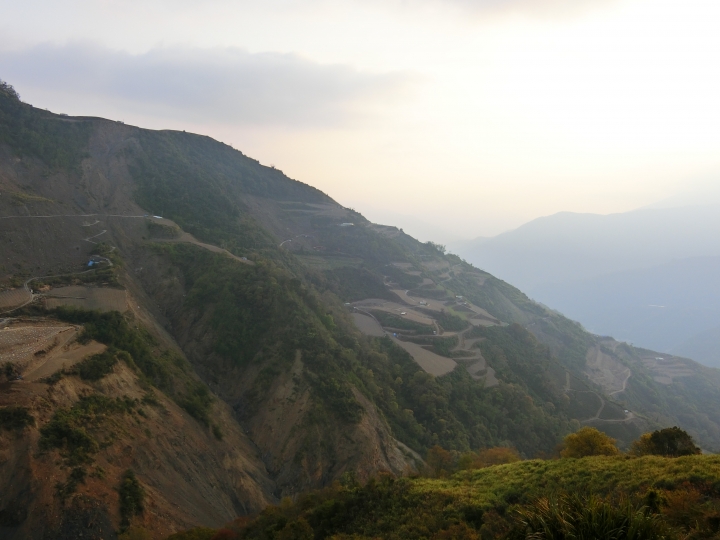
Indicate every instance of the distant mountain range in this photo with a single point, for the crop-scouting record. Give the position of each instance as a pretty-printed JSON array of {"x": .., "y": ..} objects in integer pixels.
[{"x": 649, "y": 276}]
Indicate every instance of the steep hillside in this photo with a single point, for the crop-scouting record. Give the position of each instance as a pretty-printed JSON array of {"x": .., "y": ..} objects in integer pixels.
[{"x": 290, "y": 340}]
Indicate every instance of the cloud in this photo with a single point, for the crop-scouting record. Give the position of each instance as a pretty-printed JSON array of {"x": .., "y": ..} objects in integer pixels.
[
  {"x": 226, "y": 85},
  {"x": 529, "y": 8}
]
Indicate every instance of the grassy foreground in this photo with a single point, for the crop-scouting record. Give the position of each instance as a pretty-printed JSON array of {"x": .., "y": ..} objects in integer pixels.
[{"x": 679, "y": 497}]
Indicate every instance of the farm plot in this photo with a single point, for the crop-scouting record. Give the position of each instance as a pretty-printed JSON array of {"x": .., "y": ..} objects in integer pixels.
[
  {"x": 90, "y": 298},
  {"x": 330, "y": 261},
  {"x": 667, "y": 368},
  {"x": 19, "y": 344},
  {"x": 432, "y": 363},
  {"x": 13, "y": 298},
  {"x": 367, "y": 325}
]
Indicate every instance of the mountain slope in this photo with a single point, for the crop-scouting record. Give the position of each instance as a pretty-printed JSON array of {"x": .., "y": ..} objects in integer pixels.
[{"x": 312, "y": 341}]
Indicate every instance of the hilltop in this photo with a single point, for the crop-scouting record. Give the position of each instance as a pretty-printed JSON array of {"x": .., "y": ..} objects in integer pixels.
[
  {"x": 179, "y": 318},
  {"x": 675, "y": 496}
]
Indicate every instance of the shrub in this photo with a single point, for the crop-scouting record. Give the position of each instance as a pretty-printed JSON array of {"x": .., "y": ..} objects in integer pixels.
[
  {"x": 76, "y": 476},
  {"x": 15, "y": 418},
  {"x": 197, "y": 403},
  {"x": 132, "y": 497},
  {"x": 95, "y": 367},
  {"x": 589, "y": 442},
  {"x": 10, "y": 371},
  {"x": 574, "y": 516},
  {"x": 68, "y": 429},
  {"x": 668, "y": 442}
]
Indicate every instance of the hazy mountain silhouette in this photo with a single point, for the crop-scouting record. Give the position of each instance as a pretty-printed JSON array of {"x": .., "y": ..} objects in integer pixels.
[{"x": 611, "y": 272}]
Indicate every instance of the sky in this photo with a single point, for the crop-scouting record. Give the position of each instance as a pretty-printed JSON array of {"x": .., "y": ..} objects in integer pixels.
[{"x": 450, "y": 118}]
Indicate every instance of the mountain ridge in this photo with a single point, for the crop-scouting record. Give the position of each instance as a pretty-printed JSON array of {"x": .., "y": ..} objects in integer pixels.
[{"x": 244, "y": 298}]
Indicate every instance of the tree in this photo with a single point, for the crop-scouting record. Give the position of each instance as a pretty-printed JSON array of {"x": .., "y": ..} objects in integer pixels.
[
  {"x": 439, "y": 461},
  {"x": 589, "y": 441},
  {"x": 8, "y": 90},
  {"x": 668, "y": 442}
]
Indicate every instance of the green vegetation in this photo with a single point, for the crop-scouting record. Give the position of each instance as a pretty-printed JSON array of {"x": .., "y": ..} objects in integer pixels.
[
  {"x": 353, "y": 284},
  {"x": 197, "y": 182},
  {"x": 457, "y": 411},
  {"x": 116, "y": 331},
  {"x": 589, "y": 441},
  {"x": 132, "y": 498},
  {"x": 10, "y": 371},
  {"x": 668, "y": 442},
  {"x": 262, "y": 308},
  {"x": 197, "y": 402},
  {"x": 59, "y": 142},
  {"x": 449, "y": 321},
  {"x": 20, "y": 198},
  {"x": 577, "y": 516},
  {"x": 403, "y": 279},
  {"x": 444, "y": 345},
  {"x": 65, "y": 489},
  {"x": 132, "y": 344},
  {"x": 15, "y": 418},
  {"x": 650, "y": 497},
  {"x": 75, "y": 430},
  {"x": 95, "y": 367},
  {"x": 391, "y": 320}
]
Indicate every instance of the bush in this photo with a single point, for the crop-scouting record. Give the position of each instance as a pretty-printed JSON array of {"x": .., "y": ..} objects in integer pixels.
[
  {"x": 197, "y": 403},
  {"x": 668, "y": 442},
  {"x": 574, "y": 516},
  {"x": 589, "y": 442},
  {"x": 132, "y": 497},
  {"x": 68, "y": 429},
  {"x": 15, "y": 418},
  {"x": 10, "y": 371},
  {"x": 95, "y": 367}
]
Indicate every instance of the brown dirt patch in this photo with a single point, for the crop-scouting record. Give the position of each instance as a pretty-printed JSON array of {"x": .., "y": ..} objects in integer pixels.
[
  {"x": 605, "y": 370},
  {"x": 367, "y": 325},
  {"x": 90, "y": 298},
  {"x": 432, "y": 363},
  {"x": 14, "y": 298}
]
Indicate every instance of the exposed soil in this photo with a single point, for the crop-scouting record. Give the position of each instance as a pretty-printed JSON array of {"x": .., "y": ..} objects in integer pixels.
[
  {"x": 90, "y": 298},
  {"x": 368, "y": 325},
  {"x": 432, "y": 363}
]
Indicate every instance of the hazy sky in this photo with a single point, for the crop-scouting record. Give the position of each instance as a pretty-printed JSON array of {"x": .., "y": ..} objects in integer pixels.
[{"x": 448, "y": 117}]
